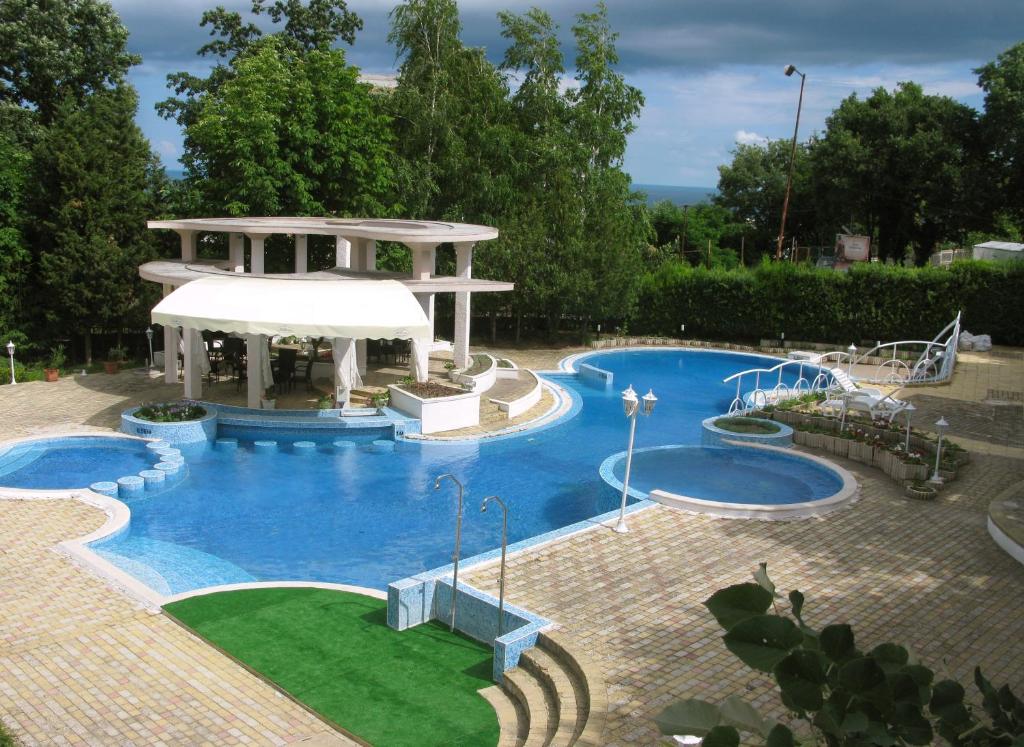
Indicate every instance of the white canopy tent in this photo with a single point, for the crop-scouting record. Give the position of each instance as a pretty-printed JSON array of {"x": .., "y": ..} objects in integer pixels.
[
  {"x": 256, "y": 306},
  {"x": 315, "y": 308}
]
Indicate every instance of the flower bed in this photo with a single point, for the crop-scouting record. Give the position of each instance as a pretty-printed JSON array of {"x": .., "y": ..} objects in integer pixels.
[
  {"x": 876, "y": 444},
  {"x": 186, "y": 422}
]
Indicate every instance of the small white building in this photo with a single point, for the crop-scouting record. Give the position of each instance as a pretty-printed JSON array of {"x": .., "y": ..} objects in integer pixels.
[{"x": 999, "y": 250}]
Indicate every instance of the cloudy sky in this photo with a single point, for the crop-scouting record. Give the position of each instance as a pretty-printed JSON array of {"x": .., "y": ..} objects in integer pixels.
[{"x": 711, "y": 70}]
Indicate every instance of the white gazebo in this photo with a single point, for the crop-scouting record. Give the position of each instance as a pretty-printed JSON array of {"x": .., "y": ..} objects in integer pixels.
[{"x": 349, "y": 303}]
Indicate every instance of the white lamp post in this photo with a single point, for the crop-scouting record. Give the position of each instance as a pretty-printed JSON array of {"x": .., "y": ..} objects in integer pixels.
[
  {"x": 149, "y": 339},
  {"x": 909, "y": 409},
  {"x": 10, "y": 354},
  {"x": 852, "y": 350},
  {"x": 941, "y": 426},
  {"x": 631, "y": 407}
]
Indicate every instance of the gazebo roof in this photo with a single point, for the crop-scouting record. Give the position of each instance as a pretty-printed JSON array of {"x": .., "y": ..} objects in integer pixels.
[{"x": 380, "y": 229}]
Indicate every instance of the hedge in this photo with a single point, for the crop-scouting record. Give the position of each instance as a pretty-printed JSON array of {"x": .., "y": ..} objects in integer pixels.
[{"x": 869, "y": 302}]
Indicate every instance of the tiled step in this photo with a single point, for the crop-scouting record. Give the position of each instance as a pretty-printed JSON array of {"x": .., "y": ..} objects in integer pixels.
[
  {"x": 541, "y": 715},
  {"x": 588, "y": 685},
  {"x": 560, "y": 687},
  {"x": 511, "y": 718}
]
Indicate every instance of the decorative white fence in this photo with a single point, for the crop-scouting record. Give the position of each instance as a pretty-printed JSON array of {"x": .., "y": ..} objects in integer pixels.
[{"x": 933, "y": 364}]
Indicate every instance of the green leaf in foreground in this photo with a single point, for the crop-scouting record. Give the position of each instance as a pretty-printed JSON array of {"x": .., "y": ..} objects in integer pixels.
[
  {"x": 737, "y": 603},
  {"x": 691, "y": 716},
  {"x": 763, "y": 641},
  {"x": 722, "y": 736}
]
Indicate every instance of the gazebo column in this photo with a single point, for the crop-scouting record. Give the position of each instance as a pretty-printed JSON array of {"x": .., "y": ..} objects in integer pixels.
[
  {"x": 188, "y": 244},
  {"x": 236, "y": 252},
  {"x": 170, "y": 347},
  {"x": 300, "y": 253},
  {"x": 364, "y": 257},
  {"x": 193, "y": 371},
  {"x": 255, "y": 349},
  {"x": 464, "y": 271},
  {"x": 342, "y": 252},
  {"x": 257, "y": 251},
  {"x": 424, "y": 260},
  {"x": 255, "y": 345}
]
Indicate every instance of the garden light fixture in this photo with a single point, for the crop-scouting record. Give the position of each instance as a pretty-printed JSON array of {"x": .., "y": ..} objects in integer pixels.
[
  {"x": 909, "y": 409},
  {"x": 10, "y": 354},
  {"x": 631, "y": 407},
  {"x": 852, "y": 350},
  {"x": 940, "y": 426},
  {"x": 149, "y": 339}
]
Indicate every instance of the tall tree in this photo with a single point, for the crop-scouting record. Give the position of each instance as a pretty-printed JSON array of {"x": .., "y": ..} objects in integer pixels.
[
  {"x": 1003, "y": 122},
  {"x": 53, "y": 50},
  {"x": 901, "y": 164},
  {"x": 93, "y": 178}
]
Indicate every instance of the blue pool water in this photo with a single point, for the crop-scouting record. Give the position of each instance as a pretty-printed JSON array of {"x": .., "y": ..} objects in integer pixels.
[
  {"x": 730, "y": 475},
  {"x": 74, "y": 462},
  {"x": 367, "y": 518}
]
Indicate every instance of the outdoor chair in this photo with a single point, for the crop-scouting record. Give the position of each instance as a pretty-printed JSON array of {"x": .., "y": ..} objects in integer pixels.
[{"x": 285, "y": 374}]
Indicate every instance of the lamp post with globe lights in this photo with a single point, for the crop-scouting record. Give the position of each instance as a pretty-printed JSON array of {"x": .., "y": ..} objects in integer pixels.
[{"x": 631, "y": 405}]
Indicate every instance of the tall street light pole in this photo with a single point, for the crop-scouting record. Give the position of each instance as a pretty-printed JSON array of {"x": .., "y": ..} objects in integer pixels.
[{"x": 789, "y": 70}]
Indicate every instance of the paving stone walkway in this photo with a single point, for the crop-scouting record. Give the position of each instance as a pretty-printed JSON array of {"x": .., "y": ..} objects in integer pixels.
[
  {"x": 79, "y": 663},
  {"x": 923, "y": 574}
]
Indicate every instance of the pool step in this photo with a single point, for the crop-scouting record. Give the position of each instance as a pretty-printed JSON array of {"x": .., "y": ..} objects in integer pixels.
[
  {"x": 511, "y": 719},
  {"x": 560, "y": 695}
]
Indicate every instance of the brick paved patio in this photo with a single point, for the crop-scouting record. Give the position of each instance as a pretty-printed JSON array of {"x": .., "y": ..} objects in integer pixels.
[{"x": 80, "y": 664}]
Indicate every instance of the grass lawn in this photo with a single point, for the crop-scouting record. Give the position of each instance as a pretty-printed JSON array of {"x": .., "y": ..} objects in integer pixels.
[{"x": 333, "y": 651}]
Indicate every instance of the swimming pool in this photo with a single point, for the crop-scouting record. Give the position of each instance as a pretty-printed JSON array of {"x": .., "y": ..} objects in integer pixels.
[
  {"x": 363, "y": 518},
  {"x": 71, "y": 462}
]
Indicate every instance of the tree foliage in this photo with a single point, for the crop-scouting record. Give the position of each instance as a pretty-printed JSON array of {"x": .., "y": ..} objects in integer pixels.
[
  {"x": 92, "y": 188},
  {"x": 1003, "y": 123}
]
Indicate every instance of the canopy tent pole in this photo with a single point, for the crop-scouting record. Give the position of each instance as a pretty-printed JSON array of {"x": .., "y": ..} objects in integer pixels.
[{"x": 254, "y": 371}]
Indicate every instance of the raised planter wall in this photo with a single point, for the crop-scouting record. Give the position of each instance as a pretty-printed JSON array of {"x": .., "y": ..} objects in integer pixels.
[
  {"x": 439, "y": 413},
  {"x": 508, "y": 373},
  {"x": 515, "y": 408},
  {"x": 186, "y": 432},
  {"x": 482, "y": 381},
  {"x": 712, "y": 435}
]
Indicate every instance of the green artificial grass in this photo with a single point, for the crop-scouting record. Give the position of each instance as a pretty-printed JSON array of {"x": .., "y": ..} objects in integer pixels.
[{"x": 333, "y": 651}]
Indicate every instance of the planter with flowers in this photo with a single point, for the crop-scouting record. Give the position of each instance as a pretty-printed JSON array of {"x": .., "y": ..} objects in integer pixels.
[
  {"x": 178, "y": 422},
  {"x": 921, "y": 491},
  {"x": 57, "y": 359}
]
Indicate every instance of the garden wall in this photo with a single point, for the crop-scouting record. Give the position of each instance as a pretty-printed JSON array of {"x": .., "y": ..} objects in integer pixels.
[{"x": 869, "y": 302}]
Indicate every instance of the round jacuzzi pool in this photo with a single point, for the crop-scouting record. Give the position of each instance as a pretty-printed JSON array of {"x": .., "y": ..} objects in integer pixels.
[{"x": 734, "y": 481}]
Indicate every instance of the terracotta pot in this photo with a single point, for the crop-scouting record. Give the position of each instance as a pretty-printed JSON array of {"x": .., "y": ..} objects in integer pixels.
[
  {"x": 111, "y": 367},
  {"x": 51, "y": 374}
]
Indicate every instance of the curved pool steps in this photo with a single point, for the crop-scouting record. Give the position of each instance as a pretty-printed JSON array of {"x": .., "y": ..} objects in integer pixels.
[{"x": 559, "y": 698}]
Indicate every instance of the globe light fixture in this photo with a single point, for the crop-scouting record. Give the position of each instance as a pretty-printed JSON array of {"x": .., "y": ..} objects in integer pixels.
[
  {"x": 940, "y": 426},
  {"x": 631, "y": 407}
]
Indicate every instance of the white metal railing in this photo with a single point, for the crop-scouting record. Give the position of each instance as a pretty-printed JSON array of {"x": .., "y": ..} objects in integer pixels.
[
  {"x": 934, "y": 364},
  {"x": 777, "y": 390}
]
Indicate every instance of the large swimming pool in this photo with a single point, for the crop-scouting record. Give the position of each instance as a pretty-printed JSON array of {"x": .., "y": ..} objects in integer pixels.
[{"x": 358, "y": 517}]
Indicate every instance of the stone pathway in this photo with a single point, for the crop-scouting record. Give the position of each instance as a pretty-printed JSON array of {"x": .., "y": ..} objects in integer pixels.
[
  {"x": 81, "y": 664},
  {"x": 923, "y": 574}
]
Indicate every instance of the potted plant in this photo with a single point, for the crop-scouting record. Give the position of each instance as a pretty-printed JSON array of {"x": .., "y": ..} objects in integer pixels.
[
  {"x": 921, "y": 491},
  {"x": 380, "y": 400},
  {"x": 115, "y": 357},
  {"x": 268, "y": 401},
  {"x": 449, "y": 366},
  {"x": 57, "y": 359},
  {"x": 325, "y": 402}
]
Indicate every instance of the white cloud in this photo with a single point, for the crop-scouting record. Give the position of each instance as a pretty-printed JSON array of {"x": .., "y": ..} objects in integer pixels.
[
  {"x": 168, "y": 149},
  {"x": 743, "y": 137}
]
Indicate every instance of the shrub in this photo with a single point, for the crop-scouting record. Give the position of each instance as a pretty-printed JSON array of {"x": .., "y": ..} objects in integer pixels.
[
  {"x": 870, "y": 301},
  {"x": 170, "y": 412}
]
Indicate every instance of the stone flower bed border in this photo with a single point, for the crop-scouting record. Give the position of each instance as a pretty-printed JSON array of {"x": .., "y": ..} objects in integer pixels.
[{"x": 874, "y": 444}]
